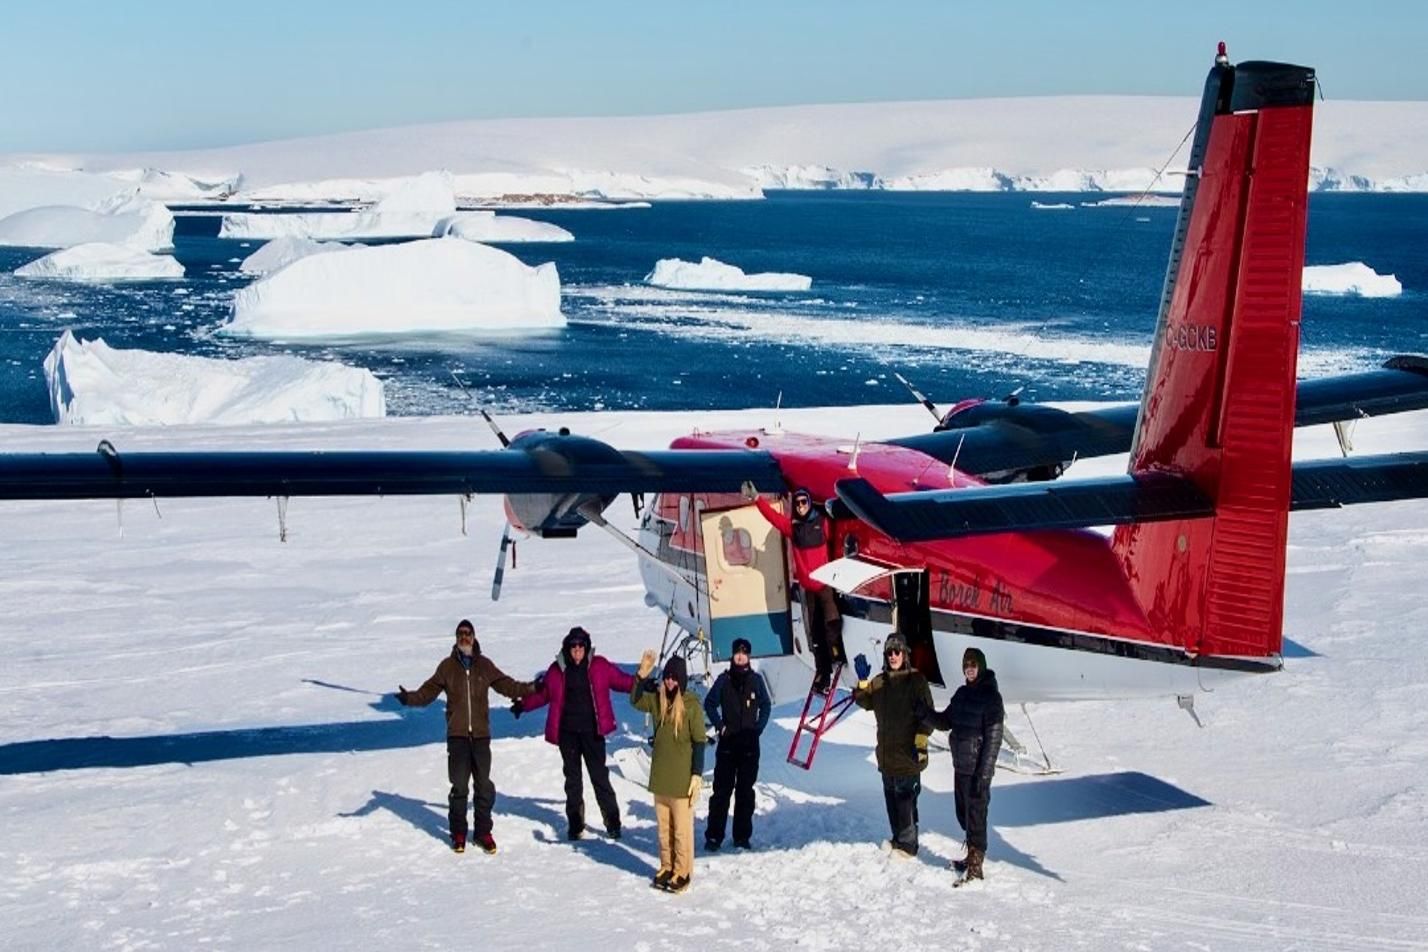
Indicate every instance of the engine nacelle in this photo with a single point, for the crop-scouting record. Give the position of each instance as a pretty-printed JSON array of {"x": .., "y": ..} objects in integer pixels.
[{"x": 558, "y": 515}]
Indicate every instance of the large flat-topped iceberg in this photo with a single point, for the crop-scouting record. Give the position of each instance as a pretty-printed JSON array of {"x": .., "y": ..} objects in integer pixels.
[
  {"x": 1353, "y": 278},
  {"x": 713, "y": 275},
  {"x": 91, "y": 382},
  {"x": 124, "y": 220},
  {"x": 440, "y": 284},
  {"x": 97, "y": 261}
]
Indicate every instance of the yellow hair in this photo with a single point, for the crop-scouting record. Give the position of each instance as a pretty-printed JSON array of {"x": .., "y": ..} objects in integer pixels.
[{"x": 671, "y": 712}]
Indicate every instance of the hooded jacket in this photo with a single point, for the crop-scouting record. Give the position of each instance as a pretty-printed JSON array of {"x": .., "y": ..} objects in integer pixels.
[
  {"x": 896, "y": 698},
  {"x": 975, "y": 717},
  {"x": 809, "y": 537},
  {"x": 603, "y": 678},
  {"x": 468, "y": 712}
]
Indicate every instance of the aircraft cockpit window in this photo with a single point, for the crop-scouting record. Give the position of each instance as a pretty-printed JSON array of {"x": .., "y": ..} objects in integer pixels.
[{"x": 738, "y": 546}]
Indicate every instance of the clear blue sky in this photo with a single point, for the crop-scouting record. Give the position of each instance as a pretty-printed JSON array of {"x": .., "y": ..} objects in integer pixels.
[{"x": 160, "y": 74}]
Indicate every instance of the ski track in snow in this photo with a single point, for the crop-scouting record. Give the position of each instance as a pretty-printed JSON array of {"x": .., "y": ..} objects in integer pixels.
[{"x": 198, "y": 746}]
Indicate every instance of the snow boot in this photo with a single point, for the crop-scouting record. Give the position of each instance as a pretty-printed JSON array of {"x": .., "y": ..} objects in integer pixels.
[
  {"x": 458, "y": 842},
  {"x": 678, "y": 885},
  {"x": 487, "y": 842},
  {"x": 662, "y": 878},
  {"x": 974, "y": 863}
]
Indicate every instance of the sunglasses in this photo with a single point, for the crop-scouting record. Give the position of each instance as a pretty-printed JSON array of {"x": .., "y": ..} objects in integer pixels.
[
  {"x": 465, "y": 635},
  {"x": 894, "y": 651}
]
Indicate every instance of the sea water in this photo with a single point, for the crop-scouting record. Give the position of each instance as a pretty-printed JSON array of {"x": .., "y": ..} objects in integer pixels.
[{"x": 967, "y": 294}]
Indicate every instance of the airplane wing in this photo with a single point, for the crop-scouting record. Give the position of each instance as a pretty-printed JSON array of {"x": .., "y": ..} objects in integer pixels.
[
  {"x": 1115, "y": 500},
  {"x": 997, "y": 438},
  {"x": 553, "y": 465}
]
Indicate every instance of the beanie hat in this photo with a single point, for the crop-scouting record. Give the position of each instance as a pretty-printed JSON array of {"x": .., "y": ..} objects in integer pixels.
[
  {"x": 676, "y": 668},
  {"x": 741, "y": 644},
  {"x": 975, "y": 654},
  {"x": 465, "y": 625},
  {"x": 893, "y": 643}
]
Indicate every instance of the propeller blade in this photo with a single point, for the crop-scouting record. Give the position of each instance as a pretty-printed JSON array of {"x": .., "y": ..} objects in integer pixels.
[
  {"x": 501, "y": 564},
  {"x": 917, "y": 395}
]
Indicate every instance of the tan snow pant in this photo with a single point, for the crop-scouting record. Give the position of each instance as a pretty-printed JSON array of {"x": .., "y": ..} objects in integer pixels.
[{"x": 676, "y": 834}]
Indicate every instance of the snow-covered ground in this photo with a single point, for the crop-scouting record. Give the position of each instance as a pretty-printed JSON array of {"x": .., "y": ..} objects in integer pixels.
[
  {"x": 93, "y": 383},
  {"x": 1096, "y": 143},
  {"x": 198, "y": 746}
]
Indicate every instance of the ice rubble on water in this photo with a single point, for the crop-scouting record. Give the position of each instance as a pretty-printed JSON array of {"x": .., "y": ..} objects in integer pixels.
[
  {"x": 713, "y": 275},
  {"x": 438, "y": 284},
  {"x": 93, "y": 383}
]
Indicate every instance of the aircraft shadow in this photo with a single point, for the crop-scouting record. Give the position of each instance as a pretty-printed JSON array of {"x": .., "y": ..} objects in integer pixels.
[{"x": 403, "y": 728}]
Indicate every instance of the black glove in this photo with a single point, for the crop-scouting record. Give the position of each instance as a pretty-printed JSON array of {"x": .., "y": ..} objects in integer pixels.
[
  {"x": 517, "y": 709},
  {"x": 402, "y": 696},
  {"x": 861, "y": 667},
  {"x": 979, "y": 787},
  {"x": 540, "y": 681},
  {"x": 712, "y": 739}
]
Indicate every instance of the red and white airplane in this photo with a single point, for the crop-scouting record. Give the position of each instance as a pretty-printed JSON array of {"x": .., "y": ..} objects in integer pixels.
[{"x": 963, "y": 536}]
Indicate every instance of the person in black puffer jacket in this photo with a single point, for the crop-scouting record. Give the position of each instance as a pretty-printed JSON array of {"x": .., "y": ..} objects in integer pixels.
[
  {"x": 738, "y": 709},
  {"x": 974, "y": 717}
]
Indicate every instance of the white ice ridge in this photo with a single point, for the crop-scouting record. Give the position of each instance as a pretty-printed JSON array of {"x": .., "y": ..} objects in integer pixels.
[
  {"x": 500, "y": 229},
  {"x": 281, "y": 252},
  {"x": 1354, "y": 278},
  {"x": 98, "y": 261},
  {"x": 713, "y": 275},
  {"x": 91, "y": 382},
  {"x": 120, "y": 220},
  {"x": 439, "y": 284}
]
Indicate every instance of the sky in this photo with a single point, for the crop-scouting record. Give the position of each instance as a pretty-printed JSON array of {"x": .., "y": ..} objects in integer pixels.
[{"x": 103, "y": 76}]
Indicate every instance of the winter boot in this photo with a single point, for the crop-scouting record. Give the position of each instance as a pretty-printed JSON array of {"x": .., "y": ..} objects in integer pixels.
[
  {"x": 974, "y": 863},
  {"x": 678, "y": 885},
  {"x": 662, "y": 878},
  {"x": 458, "y": 842},
  {"x": 960, "y": 864},
  {"x": 487, "y": 842}
]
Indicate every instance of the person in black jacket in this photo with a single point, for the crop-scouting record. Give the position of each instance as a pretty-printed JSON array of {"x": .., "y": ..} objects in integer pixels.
[
  {"x": 738, "y": 708},
  {"x": 975, "y": 717}
]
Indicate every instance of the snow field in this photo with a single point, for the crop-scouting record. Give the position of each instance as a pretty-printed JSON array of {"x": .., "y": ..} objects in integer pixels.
[{"x": 197, "y": 744}]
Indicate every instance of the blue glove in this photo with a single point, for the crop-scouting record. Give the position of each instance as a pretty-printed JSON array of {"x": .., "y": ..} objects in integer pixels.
[{"x": 861, "y": 666}]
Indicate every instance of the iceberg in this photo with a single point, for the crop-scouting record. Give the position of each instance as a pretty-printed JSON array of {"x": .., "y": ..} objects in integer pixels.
[
  {"x": 413, "y": 208},
  {"x": 1355, "y": 277},
  {"x": 99, "y": 261},
  {"x": 500, "y": 229},
  {"x": 93, "y": 383},
  {"x": 281, "y": 252},
  {"x": 121, "y": 220},
  {"x": 713, "y": 275},
  {"x": 439, "y": 284}
]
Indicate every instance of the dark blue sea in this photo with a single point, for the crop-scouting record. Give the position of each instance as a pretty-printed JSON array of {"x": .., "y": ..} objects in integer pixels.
[{"x": 967, "y": 294}]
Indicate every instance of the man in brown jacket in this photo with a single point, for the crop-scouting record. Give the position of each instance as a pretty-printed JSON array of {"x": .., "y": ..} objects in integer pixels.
[{"x": 466, "y": 677}]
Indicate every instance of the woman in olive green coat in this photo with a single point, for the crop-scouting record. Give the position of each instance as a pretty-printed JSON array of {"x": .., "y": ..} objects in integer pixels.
[{"x": 675, "y": 765}]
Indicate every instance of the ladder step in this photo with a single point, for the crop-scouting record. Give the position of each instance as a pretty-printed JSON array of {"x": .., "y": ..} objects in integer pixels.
[{"x": 819, "y": 722}]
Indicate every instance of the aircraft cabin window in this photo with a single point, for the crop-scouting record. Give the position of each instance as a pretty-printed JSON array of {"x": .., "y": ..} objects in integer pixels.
[{"x": 738, "y": 547}]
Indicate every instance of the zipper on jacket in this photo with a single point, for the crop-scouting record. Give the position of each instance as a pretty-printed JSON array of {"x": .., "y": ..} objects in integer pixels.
[{"x": 470, "y": 728}]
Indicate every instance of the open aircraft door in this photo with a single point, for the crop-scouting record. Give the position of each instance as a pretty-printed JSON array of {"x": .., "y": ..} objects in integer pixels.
[{"x": 748, "y": 582}]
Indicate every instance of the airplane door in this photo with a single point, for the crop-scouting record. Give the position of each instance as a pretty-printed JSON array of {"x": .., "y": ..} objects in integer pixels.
[
  {"x": 912, "y": 617},
  {"x": 748, "y": 582}
]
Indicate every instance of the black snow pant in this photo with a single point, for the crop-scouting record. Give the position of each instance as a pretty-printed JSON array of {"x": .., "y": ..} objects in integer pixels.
[
  {"x": 972, "y": 811},
  {"x": 589, "y": 747},
  {"x": 900, "y": 795},
  {"x": 468, "y": 757},
  {"x": 736, "y": 768},
  {"x": 824, "y": 624}
]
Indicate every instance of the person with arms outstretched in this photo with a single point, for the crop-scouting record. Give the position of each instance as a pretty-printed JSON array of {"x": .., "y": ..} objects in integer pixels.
[{"x": 466, "y": 676}]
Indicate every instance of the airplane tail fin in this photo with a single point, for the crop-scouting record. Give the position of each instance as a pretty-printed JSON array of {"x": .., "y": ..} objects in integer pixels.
[{"x": 1218, "y": 407}]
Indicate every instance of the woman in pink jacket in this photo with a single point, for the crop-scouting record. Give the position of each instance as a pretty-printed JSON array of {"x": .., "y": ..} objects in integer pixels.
[{"x": 577, "y": 687}]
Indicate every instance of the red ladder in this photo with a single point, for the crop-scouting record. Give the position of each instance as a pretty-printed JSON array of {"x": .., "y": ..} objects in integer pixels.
[{"x": 817, "y": 723}]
